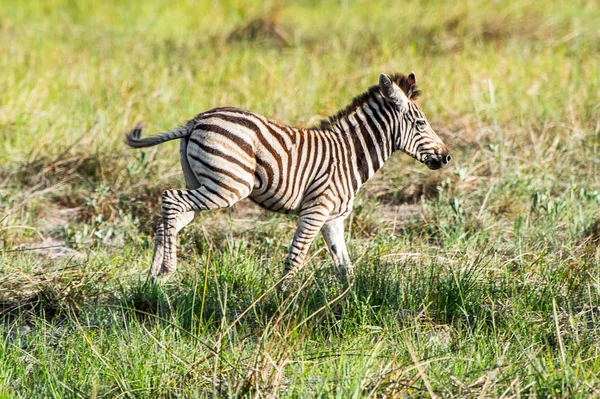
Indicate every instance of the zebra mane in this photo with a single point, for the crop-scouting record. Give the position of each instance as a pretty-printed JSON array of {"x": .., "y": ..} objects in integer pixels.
[{"x": 411, "y": 91}]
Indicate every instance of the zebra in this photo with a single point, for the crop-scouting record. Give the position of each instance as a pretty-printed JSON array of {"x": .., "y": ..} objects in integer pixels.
[{"x": 228, "y": 154}]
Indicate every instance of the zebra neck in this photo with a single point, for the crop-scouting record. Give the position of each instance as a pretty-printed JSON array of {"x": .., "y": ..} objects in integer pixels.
[{"x": 370, "y": 128}]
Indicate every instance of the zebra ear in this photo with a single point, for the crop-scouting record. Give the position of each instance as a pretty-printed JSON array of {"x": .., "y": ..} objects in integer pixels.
[
  {"x": 412, "y": 84},
  {"x": 412, "y": 79},
  {"x": 392, "y": 93},
  {"x": 387, "y": 88}
]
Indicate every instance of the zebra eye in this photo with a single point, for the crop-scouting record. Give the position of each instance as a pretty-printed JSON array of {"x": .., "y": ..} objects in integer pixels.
[{"x": 421, "y": 124}]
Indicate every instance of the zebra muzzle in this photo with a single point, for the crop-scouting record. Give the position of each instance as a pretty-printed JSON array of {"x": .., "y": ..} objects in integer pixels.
[{"x": 438, "y": 161}]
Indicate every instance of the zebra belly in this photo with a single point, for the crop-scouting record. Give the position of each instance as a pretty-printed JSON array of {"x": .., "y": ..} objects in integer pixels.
[
  {"x": 283, "y": 198},
  {"x": 281, "y": 176}
]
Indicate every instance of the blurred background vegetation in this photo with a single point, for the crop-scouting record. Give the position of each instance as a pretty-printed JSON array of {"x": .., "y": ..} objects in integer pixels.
[{"x": 479, "y": 280}]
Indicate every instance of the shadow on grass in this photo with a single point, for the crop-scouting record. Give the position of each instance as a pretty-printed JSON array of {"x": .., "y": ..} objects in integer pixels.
[
  {"x": 463, "y": 293},
  {"x": 49, "y": 294},
  {"x": 382, "y": 293}
]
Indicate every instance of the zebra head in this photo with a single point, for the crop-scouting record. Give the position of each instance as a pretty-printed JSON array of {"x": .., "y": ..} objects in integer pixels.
[{"x": 414, "y": 136}]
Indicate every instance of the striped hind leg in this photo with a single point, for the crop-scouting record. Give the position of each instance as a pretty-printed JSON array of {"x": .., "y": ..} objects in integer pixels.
[
  {"x": 215, "y": 179},
  {"x": 178, "y": 209},
  {"x": 180, "y": 222},
  {"x": 191, "y": 182}
]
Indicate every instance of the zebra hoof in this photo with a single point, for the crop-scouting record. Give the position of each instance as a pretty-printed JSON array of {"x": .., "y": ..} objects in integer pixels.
[
  {"x": 345, "y": 276},
  {"x": 161, "y": 277},
  {"x": 287, "y": 285}
]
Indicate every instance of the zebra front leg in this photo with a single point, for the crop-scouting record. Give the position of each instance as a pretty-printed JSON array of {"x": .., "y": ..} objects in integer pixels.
[
  {"x": 157, "y": 268},
  {"x": 333, "y": 233},
  {"x": 309, "y": 225}
]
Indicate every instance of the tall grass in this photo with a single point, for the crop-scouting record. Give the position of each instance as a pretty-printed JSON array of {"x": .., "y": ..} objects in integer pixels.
[{"x": 479, "y": 280}]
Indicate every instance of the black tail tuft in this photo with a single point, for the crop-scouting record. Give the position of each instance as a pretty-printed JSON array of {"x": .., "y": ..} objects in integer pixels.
[{"x": 132, "y": 138}]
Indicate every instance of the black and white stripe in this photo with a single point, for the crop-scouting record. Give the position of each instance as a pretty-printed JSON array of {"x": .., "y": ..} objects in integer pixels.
[{"x": 228, "y": 154}]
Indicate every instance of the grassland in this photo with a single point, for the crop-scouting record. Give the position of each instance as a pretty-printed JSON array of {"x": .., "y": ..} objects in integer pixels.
[{"x": 481, "y": 280}]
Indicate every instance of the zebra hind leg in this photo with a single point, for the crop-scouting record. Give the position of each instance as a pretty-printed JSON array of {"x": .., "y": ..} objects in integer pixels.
[
  {"x": 178, "y": 210},
  {"x": 191, "y": 182},
  {"x": 157, "y": 269}
]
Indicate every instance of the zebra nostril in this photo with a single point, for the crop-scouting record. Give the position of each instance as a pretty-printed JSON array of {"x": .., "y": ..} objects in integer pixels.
[{"x": 448, "y": 158}]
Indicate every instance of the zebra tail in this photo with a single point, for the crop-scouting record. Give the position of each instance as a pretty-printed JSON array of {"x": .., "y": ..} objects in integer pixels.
[{"x": 133, "y": 139}]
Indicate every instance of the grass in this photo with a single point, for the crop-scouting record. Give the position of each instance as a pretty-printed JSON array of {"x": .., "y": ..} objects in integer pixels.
[{"x": 481, "y": 280}]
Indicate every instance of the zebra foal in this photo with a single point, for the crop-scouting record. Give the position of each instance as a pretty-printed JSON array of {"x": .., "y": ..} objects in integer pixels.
[{"x": 228, "y": 154}]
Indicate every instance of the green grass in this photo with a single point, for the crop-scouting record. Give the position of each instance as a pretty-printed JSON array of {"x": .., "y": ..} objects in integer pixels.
[{"x": 481, "y": 280}]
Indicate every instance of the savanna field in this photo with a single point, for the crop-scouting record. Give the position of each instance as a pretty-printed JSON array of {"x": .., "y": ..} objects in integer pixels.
[{"x": 478, "y": 280}]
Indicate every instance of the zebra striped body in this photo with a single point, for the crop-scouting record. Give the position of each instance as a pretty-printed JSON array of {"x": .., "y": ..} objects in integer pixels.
[
  {"x": 281, "y": 168},
  {"x": 228, "y": 154}
]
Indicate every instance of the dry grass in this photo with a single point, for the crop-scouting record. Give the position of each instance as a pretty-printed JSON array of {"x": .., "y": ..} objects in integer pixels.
[{"x": 480, "y": 280}]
